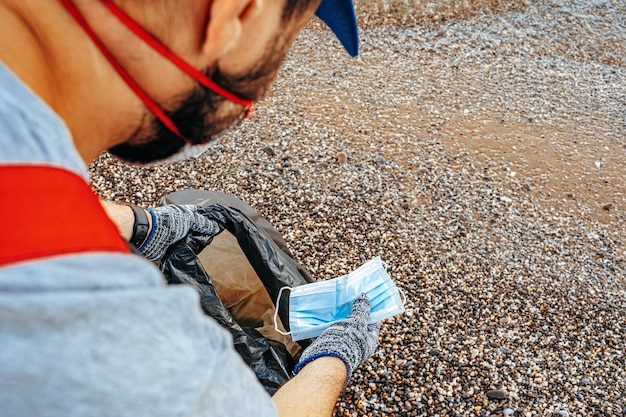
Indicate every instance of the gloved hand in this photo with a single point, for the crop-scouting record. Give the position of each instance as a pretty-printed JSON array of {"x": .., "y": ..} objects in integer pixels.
[
  {"x": 170, "y": 224},
  {"x": 352, "y": 340}
]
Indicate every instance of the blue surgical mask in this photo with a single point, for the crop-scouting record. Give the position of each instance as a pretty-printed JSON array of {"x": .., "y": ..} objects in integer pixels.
[{"x": 315, "y": 307}]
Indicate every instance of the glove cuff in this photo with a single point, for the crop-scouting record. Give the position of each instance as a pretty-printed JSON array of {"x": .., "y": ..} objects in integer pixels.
[{"x": 311, "y": 358}]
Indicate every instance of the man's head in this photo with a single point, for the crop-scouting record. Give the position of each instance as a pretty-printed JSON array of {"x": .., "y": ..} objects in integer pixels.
[{"x": 237, "y": 44}]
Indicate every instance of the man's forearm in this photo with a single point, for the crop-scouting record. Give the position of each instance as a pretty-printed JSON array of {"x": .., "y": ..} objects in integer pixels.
[{"x": 314, "y": 391}]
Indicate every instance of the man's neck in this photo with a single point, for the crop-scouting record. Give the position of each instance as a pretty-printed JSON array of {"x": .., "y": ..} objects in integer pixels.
[
  {"x": 41, "y": 44},
  {"x": 22, "y": 51}
]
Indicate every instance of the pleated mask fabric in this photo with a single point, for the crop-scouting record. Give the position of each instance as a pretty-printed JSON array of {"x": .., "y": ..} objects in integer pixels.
[{"x": 315, "y": 307}]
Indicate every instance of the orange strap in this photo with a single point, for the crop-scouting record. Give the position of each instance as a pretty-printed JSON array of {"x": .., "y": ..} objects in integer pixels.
[{"x": 47, "y": 211}]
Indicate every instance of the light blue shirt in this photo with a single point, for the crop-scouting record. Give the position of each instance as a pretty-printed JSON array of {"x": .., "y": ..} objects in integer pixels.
[{"x": 102, "y": 334}]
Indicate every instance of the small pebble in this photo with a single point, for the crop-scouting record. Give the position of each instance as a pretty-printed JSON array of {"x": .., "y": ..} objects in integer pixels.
[
  {"x": 497, "y": 395},
  {"x": 269, "y": 150}
]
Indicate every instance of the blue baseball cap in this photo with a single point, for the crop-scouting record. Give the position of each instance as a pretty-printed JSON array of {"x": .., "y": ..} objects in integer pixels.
[{"x": 339, "y": 16}]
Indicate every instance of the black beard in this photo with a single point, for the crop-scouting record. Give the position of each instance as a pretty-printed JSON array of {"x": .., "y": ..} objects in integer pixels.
[{"x": 197, "y": 120}]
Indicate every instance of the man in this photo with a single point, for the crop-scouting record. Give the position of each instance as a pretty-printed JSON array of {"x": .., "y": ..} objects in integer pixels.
[{"x": 86, "y": 327}]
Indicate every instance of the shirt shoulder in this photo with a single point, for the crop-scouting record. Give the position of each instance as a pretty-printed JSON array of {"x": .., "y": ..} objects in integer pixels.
[
  {"x": 102, "y": 334},
  {"x": 30, "y": 131}
]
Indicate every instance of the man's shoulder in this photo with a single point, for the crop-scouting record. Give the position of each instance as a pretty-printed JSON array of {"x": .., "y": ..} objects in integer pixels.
[
  {"x": 102, "y": 334},
  {"x": 81, "y": 271},
  {"x": 30, "y": 131}
]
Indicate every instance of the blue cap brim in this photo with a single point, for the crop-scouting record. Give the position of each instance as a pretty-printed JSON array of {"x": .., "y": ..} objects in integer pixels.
[{"x": 339, "y": 16}]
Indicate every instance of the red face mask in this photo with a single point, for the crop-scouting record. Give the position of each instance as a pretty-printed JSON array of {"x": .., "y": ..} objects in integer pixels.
[{"x": 164, "y": 51}]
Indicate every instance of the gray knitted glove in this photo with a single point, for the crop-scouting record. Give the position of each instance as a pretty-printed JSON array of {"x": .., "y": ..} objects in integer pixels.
[
  {"x": 352, "y": 340},
  {"x": 170, "y": 224}
]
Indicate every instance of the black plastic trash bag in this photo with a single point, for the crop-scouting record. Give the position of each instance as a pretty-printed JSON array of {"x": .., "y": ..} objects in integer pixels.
[{"x": 238, "y": 274}]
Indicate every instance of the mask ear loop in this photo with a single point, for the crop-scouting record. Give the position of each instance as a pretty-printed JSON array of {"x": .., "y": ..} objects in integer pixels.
[
  {"x": 165, "y": 52},
  {"x": 402, "y": 294},
  {"x": 276, "y": 312}
]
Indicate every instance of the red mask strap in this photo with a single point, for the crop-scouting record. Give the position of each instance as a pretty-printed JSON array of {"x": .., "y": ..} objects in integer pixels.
[
  {"x": 161, "y": 49},
  {"x": 155, "y": 44},
  {"x": 147, "y": 100}
]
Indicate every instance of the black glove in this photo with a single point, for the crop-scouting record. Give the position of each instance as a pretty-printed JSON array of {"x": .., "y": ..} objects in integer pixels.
[
  {"x": 170, "y": 224},
  {"x": 352, "y": 340}
]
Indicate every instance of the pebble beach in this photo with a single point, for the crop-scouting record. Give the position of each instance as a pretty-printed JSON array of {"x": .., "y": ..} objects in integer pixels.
[{"x": 479, "y": 149}]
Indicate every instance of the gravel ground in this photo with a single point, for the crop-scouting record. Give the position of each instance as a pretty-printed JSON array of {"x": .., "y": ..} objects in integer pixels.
[{"x": 481, "y": 156}]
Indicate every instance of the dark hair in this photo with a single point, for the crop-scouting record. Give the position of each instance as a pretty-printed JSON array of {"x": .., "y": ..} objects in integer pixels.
[{"x": 296, "y": 7}]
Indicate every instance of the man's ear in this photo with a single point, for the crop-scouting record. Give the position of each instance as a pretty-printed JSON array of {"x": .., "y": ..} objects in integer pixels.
[{"x": 224, "y": 27}]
